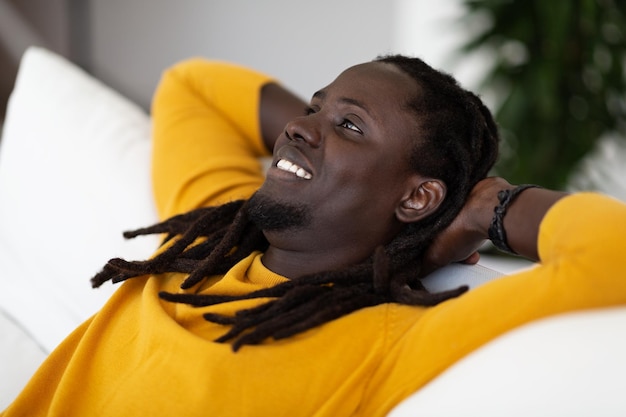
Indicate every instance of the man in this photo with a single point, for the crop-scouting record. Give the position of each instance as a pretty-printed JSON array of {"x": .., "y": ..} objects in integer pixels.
[{"x": 303, "y": 298}]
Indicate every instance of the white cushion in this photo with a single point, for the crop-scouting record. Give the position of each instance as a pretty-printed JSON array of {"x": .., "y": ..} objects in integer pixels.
[
  {"x": 568, "y": 365},
  {"x": 21, "y": 356},
  {"x": 74, "y": 174}
]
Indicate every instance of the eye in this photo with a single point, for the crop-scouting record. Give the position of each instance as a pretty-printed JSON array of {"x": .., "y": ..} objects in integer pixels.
[
  {"x": 349, "y": 125},
  {"x": 309, "y": 110}
]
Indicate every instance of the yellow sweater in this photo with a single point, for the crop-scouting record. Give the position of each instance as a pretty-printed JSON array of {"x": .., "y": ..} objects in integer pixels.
[{"x": 141, "y": 356}]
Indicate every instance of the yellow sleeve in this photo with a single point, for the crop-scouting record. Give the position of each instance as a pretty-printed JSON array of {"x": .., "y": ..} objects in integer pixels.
[
  {"x": 581, "y": 243},
  {"x": 207, "y": 137}
]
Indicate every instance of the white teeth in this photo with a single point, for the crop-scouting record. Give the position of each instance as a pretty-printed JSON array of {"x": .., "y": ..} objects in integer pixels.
[{"x": 300, "y": 172}]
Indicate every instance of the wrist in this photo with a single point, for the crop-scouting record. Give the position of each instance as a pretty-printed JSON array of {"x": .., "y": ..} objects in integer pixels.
[
  {"x": 482, "y": 201},
  {"x": 497, "y": 232}
]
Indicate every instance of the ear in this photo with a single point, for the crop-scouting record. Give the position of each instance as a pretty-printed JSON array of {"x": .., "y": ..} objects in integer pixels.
[{"x": 422, "y": 198}]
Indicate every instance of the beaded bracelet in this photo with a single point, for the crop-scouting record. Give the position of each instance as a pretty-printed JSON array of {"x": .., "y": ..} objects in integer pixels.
[{"x": 496, "y": 231}]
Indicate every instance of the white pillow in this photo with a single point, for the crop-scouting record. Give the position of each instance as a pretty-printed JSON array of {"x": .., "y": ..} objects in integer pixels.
[
  {"x": 20, "y": 357},
  {"x": 74, "y": 174},
  {"x": 567, "y": 365}
]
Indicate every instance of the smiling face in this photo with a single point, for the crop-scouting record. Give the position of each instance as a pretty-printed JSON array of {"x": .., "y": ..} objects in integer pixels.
[{"x": 346, "y": 161}]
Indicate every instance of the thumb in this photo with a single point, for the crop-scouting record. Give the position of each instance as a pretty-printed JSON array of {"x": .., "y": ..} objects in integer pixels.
[{"x": 472, "y": 259}]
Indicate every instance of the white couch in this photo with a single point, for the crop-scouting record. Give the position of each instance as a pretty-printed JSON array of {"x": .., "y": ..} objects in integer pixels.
[{"x": 74, "y": 173}]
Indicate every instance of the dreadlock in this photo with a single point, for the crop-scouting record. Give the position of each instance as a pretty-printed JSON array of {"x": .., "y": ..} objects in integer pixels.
[{"x": 457, "y": 143}]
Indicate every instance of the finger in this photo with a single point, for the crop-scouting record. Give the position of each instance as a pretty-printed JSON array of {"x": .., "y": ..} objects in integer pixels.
[{"x": 472, "y": 259}]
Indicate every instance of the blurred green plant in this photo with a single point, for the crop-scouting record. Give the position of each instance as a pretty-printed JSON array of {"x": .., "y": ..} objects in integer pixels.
[{"x": 558, "y": 74}]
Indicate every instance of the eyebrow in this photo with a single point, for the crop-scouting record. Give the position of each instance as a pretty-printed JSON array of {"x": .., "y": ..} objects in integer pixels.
[{"x": 321, "y": 94}]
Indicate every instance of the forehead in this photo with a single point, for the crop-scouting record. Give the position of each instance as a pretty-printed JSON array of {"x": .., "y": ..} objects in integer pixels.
[{"x": 379, "y": 86}]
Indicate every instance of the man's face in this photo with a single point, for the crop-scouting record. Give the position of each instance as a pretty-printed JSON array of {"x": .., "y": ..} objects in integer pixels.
[{"x": 345, "y": 162}]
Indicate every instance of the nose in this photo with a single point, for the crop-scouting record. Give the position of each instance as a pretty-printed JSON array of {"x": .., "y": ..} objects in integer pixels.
[{"x": 304, "y": 129}]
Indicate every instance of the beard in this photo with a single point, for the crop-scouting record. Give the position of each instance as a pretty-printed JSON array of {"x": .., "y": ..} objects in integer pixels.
[{"x": 273, "y": 215}]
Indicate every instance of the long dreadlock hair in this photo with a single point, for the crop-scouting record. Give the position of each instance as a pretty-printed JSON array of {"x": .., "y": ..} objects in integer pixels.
[{"x": 457, "y": 143}]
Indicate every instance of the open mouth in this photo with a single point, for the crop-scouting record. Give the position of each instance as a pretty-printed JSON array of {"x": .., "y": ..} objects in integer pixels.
[{"x": 298, "y": 171}]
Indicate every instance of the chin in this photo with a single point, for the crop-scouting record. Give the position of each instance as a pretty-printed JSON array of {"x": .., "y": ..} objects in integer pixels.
[{"x": 271, "y": 214}]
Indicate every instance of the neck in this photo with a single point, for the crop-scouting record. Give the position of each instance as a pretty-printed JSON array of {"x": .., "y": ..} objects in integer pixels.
[
  {"x": 294, "y": 254},
  {"x": 294, "y": 263}
]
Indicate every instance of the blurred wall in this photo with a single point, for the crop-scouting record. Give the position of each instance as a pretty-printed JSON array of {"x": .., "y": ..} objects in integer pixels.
[
  {"x": 434, "y": 31},
  {"x": 304, "y": 43},
  {"x": 23, "y": 23},
  {"x": 127, "y": 43}
]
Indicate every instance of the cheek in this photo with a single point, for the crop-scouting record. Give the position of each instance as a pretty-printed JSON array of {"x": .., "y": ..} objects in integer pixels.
[
  {"x": 383, "y": 173},
  {"x": 361, "y": 174},
  {"x": 368, "y": 187}
]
